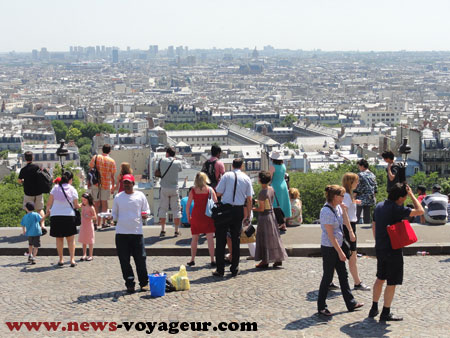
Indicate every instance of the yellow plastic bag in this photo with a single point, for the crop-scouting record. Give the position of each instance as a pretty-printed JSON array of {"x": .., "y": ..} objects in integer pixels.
[{"x": 180, "y": 280}]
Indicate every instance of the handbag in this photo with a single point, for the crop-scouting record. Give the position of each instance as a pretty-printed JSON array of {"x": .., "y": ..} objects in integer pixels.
[
  {"x": 248, "y": 234},
  {"x": 222, "y": 213},
  {"x": 279, "y": 214},
  {"x": 345, "y": 244},
  {"x": 401, "y": 234},
  {"x": 77, "y": 217},
  {"x": 209, "y": 204}
]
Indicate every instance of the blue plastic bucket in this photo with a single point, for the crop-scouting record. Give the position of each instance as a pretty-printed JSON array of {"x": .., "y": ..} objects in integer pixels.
[{"x": 157, "y": 284}]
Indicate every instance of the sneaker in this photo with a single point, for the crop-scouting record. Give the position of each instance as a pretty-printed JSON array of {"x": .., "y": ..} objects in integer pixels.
[
  {"x": 362, "y": 287},
  {"x": 390, "y": 317},
  {"x": 33, "y": 260},
  {"x": 217, "y": 274},
  {"x": 30, "y": 258},
  {"x": 130, "y": 289},
  {"x": 145, "y": 288},
  {"x": 373, "y": 313},
  {"x": 333, "y": 286}
]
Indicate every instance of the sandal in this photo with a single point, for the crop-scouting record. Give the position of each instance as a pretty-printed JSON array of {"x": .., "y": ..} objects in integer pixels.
[
  {"x": 90, "y": 258},
  {"x": 83, "y": 259},
  {"x": 325, "y": 312},
  {"x": 177, "y": 233},
  {"x": 162, "y": 234},
  {"x": 357, "y": 306},
  {"x": 60, "y": 263},
  {"x": 191, "y": 263},
  {"x": 262, "y": 266}
]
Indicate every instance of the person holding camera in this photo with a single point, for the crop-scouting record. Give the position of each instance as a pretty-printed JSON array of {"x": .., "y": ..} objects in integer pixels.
[{"x": 394, "y": 170}]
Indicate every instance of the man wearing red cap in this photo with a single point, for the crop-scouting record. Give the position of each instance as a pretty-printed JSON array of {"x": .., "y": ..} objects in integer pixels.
[{"x": 129, "y": 208}]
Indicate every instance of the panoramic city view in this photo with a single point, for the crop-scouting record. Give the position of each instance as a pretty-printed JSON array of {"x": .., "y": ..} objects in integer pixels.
[{"x": 237, "y": 169}]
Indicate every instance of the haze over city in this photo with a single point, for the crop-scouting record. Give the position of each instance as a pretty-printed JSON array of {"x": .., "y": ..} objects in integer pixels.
[{"x": 323, "y": 24}]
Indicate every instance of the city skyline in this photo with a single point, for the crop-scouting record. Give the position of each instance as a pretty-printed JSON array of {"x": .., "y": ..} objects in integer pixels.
[{"x": 325, "y": 25}]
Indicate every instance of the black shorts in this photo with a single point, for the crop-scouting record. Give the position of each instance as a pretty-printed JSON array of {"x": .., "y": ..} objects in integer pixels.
[
  {"x": 347, "y": 235},
  {"x": 390, "y": 266},
  {"x": 62, "y": 226},
  {"x": 34, "y": 241}
]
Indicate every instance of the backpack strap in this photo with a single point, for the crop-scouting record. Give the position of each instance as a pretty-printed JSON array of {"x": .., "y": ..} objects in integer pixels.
[
  {"x": 166, "y": 169},
  {"x": 235, "y": 185}
]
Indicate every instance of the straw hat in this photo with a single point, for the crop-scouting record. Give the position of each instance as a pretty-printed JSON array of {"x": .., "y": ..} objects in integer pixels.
[{"x": 276, "y": 155}]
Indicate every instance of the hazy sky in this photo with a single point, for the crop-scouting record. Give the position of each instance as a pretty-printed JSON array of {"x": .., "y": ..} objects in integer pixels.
[{"x": 296, "y": 24}]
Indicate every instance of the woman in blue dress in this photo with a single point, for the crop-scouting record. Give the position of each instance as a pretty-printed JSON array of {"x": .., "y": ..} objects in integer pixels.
[{"x": 278, "y": 170}]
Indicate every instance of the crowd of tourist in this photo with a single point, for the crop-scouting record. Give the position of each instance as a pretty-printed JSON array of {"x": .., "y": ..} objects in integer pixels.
[{"x": 276, "y": 206}]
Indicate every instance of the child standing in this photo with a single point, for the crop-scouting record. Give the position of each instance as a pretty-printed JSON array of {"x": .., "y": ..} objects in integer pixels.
[
  {"x": 32, "y": 224},
  {"x": 87, "y": 234}
]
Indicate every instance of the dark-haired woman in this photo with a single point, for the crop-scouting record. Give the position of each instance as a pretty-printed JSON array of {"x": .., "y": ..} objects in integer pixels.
[
  {"x": 269, "y": 247},
  {"x": 332, "y": 217},
  {"x": 62, "y": 216}
]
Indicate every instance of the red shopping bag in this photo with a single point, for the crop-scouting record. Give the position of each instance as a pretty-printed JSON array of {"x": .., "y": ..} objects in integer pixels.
[{"x": 401, "y": 234}]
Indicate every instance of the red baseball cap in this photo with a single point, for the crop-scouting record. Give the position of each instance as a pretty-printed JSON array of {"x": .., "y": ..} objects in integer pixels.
[{"x": 128, "y": 177}]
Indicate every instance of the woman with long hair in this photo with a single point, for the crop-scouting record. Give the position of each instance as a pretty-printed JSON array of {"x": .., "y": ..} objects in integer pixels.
[
  {"x": 332, "y": 217},
  {"x": 200, "y": 223},
  {"x": 62, "y": 216},
  {"x": 350, "y": 182},
  {"x": 125, "y": 169}
]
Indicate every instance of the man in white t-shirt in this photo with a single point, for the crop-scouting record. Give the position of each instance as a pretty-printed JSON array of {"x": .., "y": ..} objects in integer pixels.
[{"x": 129, "y": 208}]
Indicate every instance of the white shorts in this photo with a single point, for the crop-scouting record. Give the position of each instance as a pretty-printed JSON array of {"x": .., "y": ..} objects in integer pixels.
[{"x": 169, "y": 197}]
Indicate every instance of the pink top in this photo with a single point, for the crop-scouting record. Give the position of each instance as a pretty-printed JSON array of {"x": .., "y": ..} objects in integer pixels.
[{"x": 219, "y": 167}]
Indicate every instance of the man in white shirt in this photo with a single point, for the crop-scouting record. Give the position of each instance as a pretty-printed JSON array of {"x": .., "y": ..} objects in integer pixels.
[
  {"x": 236, "y": 189},
  {"x": 129, "y": 208}
]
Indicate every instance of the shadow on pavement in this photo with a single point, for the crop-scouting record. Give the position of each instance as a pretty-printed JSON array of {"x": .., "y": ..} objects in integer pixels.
[
  {"x": 155, "y": 239},
  {"x": 15, "y": 265},
  {"x": 445, "y": 260},
  {"x": 312, "y": 296},
  {"x": 369, "y": 327},
  {"x": 40, "y": 268},
  {"x": 314, "y": 320},
  {"x": 114, "y": 295},
  {"x": 13, "y": 239}
]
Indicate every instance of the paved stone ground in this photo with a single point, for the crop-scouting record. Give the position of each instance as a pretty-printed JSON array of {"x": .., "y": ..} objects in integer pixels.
[{"x": 282, "y": 301}]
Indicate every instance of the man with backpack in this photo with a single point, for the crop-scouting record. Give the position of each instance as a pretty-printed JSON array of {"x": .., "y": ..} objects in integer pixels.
[
  {"x": 31, "y": 176},
  {"x": 104, "y": 185},
  {"x": 213, "y": 167}
]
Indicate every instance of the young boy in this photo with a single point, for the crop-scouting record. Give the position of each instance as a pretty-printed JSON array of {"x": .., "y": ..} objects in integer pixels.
[{"x": 32, "y": 225}]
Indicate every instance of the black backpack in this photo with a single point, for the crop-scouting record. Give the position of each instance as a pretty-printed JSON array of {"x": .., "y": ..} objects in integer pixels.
[
  {"x": 93, "y": 176},
  {"x": 44, "y": 181},
  {"x": 209, "y": 168}
]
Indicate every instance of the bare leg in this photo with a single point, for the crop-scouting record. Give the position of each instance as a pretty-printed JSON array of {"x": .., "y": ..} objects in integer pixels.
[
  {"x": 104, "y": 206},
  {"x": 71, "y": 244},
  {"x": 59, "y": 248},
  {"x": 84, "y": 250},
  {"x": 388, "y": 295},
  {"x": 194, "y": 243},
  {"x": 353, "y": 268},
  {"x": 35, "y": 251},
  {"x": 377, "y": 289},
  {"x": 177, "y": 222},
  {"x": 210, "y": 239},
  {"x": 162, "y": 221},
  {"x": 30, "y": 250},
  {"x": 91, "y": 250},
  {"x": 98, "y": 210}
]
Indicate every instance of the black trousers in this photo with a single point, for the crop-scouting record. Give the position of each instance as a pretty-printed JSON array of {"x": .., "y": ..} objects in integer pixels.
[
  {"x": 331, "y": 261},
  {"x": 127, "y": 246},
  {"x": 221, "y": 239},
  {"x": 367, "y": 215}
]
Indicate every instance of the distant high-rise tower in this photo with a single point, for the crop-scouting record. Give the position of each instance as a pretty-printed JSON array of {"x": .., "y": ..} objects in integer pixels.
[
  {"x": 255, "y": 54},
  {"x": 3, "y": 107},
  {"x": 34, "y": 55},
  {"x": 44, "y": 54},
  {"x": 170, "y": 52},
  {"x": 115, "y": 56}
]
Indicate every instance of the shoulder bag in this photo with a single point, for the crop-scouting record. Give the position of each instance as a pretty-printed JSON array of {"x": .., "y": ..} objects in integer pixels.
[
  {"x": 222, "y": 214},
  {"x": 158, "y": 171},
  {"x": 279, "y": 214},
  {"x": 209, "y": 204},
  {"x": 77, "y": 217},
  {"x": 345, "y": 244}
]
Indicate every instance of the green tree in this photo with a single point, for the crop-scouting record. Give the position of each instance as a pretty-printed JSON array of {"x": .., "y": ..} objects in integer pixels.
[
  {"x": 4, "y": 154},
  {"x": 60, "y": 129},
  {"x": 106, "y": 128},
  {"x": 123, "y": 131},
  {"x": 291, "y": 145},
  {"x": 82, "y": 141},
  {"x": 89, "y": 130},
  {"x": 289, "y": 120},
  {"x": 73, "y": 134},
  {"x": 85, "y": 150}
]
